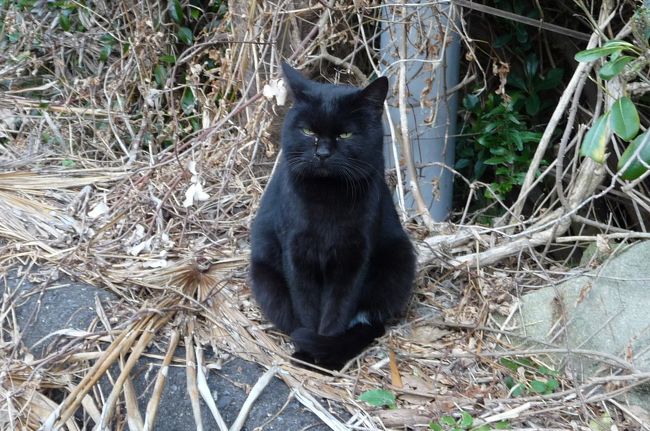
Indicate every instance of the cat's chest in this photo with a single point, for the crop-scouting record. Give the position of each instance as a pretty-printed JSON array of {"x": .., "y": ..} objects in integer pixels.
[
  {"x": 326, "y": 232},
  {"x": 327, "y": 243},
  {"x": 320, "y": 229}
]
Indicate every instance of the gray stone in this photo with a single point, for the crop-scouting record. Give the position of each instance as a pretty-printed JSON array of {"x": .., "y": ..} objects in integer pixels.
[
  {"x": 43, "y": 308},
  {"x": 605, "y": 310},
  {"x": 229, "y": 387}
]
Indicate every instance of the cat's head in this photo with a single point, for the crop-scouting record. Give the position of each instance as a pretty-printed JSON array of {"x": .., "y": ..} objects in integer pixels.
[{"x": 333, "y": 131}]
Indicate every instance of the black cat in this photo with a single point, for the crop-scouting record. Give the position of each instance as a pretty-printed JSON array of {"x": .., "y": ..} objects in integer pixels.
[{"x": 330, "y": 261}]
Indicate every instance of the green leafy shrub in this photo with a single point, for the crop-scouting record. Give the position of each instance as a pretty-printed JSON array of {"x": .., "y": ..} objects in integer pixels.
[
  {"x": 622, "y": 118},
  {"x": 529, "y": 378},
  {"x": 501, "y": 125},
  {"x": 464, "y": 422},
  {"x": 496, "y": 144}
]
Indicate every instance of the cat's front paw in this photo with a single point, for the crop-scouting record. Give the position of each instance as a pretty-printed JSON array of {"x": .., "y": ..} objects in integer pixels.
[
  {"x": 305, "y": 360},
  {"x": 321, "y": 349},
  {"x": 303, "y": 356},
  {"x": 306, "y": 340}
]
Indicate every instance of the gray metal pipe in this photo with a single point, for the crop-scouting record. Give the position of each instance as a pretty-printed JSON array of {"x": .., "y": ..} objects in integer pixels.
[{"x": 421, "y": 34}]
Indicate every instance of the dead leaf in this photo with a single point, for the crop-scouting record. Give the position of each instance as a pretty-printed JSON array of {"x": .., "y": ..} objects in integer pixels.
[
  {"x": 404, "y": 417},
  {"x": 426, "y": 334}
]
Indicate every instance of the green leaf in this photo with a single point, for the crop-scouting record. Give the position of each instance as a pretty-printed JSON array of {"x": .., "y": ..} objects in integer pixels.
[
  {"x": 479, "y": 169},
  {"x": 447, "y": 420},
  {"x": 522, "y": 34},
  {"x": 68, "y": 164},
  {"x": 490, "y": 127},
  {"x": 545, "y": 371},
  {"x": 513, "y": 119},
  {"x": 517, "y": 81},
  {"x": 530, "y": 136},
  {"x": 378, "y": 398},
  {"x": 495, "y": 160},
  {"x": 552, "y": 385},
  {"x": 552, "y": 80},
  {"x": 532, "y": 64},
  {"x": 604, "y": 423},
  {"x": 14, "y": 37},
  {"x": 538, "y": 386},
  {"x": 196, "y": 13},
  {"x": 525, "y": 362},
  {"x": 532, "y": 104},
  {"x": 519, "y": 177},
  {"x": 636, "y": 168},
  {"x": 509, "y": 364},
  {"x": 516, "y": 137},
  {"x": 435, "y": 426},
  {"x": 499, "y": 151},
  {"x": 26, "y": 4},
  {"x": 595, "y": 53},
  {"x": 185, "y": 35},
  {"x": 471, "y": 102},
  {"x": 624, "y": 118},
  {"x": 595, "y": 141},
  {"x": 105, "y": 52},
  {"x": 518, "y": 390},
  {"x": 188, "y": 101},
  {"x": 108, "y": 39},
  {"x": 160, "y": 75},
  {"x": 176, "y": 11},
  {"x": 484, "y": 427},
  {"x": 466, "y": 420},
  {"x": 461, "y": 163},
  {"x": 615, "y": 55},
  {"x": 614, "y": 67},
  {"x": 620, "y": 44},
  {"x": 169, "y": 59},
  {"x": 64, "y": 20},
  {"x": 503, "y": 40},
  {"x": 503, "y": 425},
  {"x": 609, "y": 48},
  {"x": 504, "y": 170}
]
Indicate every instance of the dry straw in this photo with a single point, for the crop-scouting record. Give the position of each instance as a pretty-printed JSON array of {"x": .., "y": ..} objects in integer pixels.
[{"x": 101, "y": 139}]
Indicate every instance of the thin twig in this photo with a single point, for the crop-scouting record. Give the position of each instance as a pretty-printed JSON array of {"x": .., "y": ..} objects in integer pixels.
[{"x": 255, "y": 392}]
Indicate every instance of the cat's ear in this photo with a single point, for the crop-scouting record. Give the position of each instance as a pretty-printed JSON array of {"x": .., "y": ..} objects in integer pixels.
[
  {"x": 375, "y": 92},
  {"x": 296, "y": 82}
]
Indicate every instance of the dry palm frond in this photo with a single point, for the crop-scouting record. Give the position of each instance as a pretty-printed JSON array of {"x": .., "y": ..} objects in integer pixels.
[{"x": 27, "y": 407}]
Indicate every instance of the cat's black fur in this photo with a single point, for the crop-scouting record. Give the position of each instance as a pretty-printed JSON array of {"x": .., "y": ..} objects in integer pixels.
[{"x": 330, "y": 261}]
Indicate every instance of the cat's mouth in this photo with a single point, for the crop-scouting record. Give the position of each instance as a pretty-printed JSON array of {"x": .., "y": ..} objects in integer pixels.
[
  {"x": 320, "y": 169},
  {"x": 307, "y": 166}
]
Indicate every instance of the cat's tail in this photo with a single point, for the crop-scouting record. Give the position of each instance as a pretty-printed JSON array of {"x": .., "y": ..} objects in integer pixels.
[{"x": 333, "y": 352}]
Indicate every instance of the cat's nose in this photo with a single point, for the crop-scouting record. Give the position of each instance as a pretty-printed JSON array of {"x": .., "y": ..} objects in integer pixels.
[{"x": 322, "y": 152}]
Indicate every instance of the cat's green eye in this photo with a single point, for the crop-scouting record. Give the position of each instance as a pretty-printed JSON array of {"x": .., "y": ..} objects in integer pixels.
[
  {"x": 345, "y": 135},
  {"x": 307, "y": 131}
]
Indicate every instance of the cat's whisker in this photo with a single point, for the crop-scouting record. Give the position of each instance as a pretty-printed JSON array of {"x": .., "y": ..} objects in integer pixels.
[
  {"x": 349, "y": 184},
  {"x": 357, "y": 172}
]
